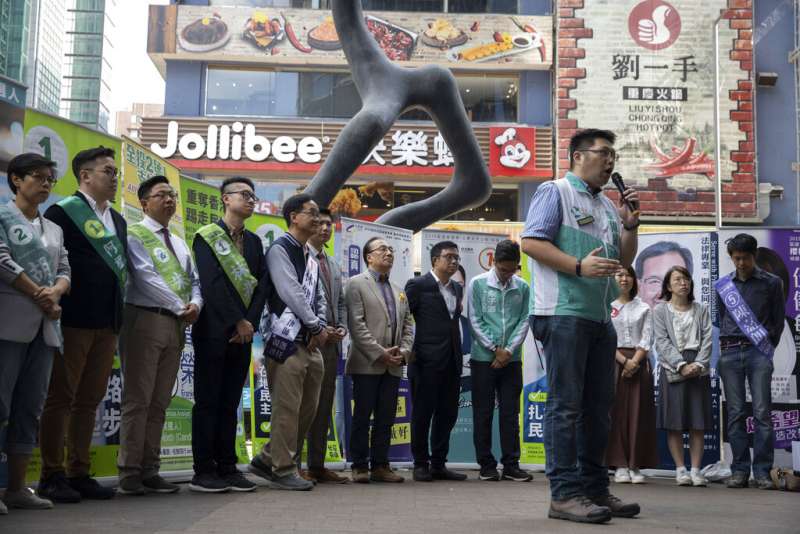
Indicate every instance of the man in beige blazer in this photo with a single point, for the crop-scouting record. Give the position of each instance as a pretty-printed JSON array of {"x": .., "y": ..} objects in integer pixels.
[{"x": 381, "y": 334}]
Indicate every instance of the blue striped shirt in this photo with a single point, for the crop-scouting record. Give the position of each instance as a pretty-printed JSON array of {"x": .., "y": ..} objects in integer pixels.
[{"x": 544, "y": 215}]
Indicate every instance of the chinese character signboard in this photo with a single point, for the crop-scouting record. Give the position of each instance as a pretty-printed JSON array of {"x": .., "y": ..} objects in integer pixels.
[
  {"x": 645, "y": 70},
  {"x": 201, "y": 205},
  {"x": 139, "y": 164},
  {"x": 417, "y": 150}
]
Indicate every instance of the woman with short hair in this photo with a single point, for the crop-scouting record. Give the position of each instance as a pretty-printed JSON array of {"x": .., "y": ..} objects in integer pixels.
[{"x": 34, "y": 273}]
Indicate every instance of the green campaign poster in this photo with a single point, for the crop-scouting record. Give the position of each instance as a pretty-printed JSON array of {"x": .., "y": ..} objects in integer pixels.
[
  {"x": 201, "y": 205},
  {"x": 59, "y": 140}
]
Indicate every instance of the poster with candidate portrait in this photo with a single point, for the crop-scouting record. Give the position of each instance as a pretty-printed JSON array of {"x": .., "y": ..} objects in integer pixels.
[
  {"x": 778, "y": 253},
  {"x": 477, "y": 257},
  {"x": 697, "y": 252}
]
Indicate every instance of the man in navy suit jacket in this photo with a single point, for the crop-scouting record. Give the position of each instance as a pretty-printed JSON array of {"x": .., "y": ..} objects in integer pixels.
[{"x": 435, "y": 371}]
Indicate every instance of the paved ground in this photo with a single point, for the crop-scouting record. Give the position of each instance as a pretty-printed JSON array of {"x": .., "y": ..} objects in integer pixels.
[{"x": 471, "y": 507}]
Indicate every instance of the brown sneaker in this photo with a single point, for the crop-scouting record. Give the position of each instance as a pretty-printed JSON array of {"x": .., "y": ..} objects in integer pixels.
[
  {"x": 384, "y": 474},
  {"x": 326, "y": 475},
  {"x": 579, "y": 509},
  {"x": 617, "y": 506},
  {"x": 361, "y": 476}
]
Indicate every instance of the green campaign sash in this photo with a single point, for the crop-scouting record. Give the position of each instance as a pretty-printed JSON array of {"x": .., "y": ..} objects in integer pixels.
[
  {"x": 232, "y": 262},
  {"x": 166, "y": 264},
  {"x": 26, "y": 247},
  {"x": 107, "y": 245}
]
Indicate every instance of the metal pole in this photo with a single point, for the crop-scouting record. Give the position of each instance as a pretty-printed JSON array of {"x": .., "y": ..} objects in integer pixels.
[{"x": 717, "y": 140}]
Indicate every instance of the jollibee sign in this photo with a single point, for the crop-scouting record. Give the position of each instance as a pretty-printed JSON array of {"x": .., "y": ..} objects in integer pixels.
[{"x": 512, "y": 151}]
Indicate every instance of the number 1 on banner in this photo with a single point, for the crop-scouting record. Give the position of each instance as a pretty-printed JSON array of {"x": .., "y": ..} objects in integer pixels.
[{"x": 44, "y": 142}]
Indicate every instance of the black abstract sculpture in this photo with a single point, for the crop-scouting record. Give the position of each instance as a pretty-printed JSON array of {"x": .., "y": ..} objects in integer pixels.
[{"x": 387, "y": 90}]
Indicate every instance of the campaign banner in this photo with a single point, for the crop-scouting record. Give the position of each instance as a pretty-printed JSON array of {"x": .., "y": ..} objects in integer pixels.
[
  {"x": 139, "y": 164},
  {"x": 350, "y": 241},
  {"x": 59, "y": 140},
  {"x": 201, "y": 205},
  {"x": 697, "y": 252},
  {"x": 477, "y": 257},
  {"x": 12, "y": 117},
  {"x": 778, "y": 253},
  {"x": 534, "y": 394},
  {"x": 269, "y": 228}
]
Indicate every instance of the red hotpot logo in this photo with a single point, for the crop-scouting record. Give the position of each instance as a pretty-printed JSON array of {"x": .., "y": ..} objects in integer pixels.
[{"x": 654, "y": 24}]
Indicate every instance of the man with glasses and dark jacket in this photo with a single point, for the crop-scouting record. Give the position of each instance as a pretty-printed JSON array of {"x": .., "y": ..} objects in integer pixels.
[
  {"x": 233, "y": 282},
  {"x": 435, "y": 372},
  {"x": 96, "y": 237}
]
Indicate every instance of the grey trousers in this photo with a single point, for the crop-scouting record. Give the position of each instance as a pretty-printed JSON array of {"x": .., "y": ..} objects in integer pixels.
[{"x": 24, "y": 377}]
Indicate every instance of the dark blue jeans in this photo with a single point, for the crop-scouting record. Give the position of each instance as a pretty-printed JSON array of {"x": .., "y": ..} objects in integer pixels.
[
  {"x": 734, "y": 366},
  {"x": 579, "y": 355}
]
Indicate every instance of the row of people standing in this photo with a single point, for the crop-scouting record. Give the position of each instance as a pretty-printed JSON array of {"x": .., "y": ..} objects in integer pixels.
[
  {"x": 139, "y": 287},
  {"x": 679, "y": 330}
]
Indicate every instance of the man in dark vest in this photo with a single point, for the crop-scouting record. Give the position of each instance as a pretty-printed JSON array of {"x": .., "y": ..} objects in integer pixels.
[
  {"x": 233, "y": 280},
  {"x": 294, "y": 331},
  {"x": 435, "y": 372},
  {"x": 96, "y": 237}
]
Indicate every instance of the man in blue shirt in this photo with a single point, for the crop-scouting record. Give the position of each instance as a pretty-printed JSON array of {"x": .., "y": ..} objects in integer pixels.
[
  {"x": 578, "y": 239},
  {"x": 741, "y": 358}
]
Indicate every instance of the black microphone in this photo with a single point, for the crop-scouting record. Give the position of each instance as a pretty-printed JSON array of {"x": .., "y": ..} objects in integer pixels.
[{"x": 617, "y": 179}]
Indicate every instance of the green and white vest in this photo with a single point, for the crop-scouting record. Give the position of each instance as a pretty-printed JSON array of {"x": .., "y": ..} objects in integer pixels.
[{"x": 588, "y": 221}]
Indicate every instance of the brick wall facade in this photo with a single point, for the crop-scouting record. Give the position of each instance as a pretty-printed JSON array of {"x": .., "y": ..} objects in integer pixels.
[{"x": 657, "y": 197}]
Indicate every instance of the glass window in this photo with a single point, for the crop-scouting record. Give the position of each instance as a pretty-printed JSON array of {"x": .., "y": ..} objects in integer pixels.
[
  {"x": 327, "y": 95},
  {"x": 87, "y": 45},
  {"x": 265, "y": 3},
  {"x": 251, "y": 93},
  {"x": 403, "y": 5},
  {"x": 486, "y": 99},
  {"x": 482, "y": 6},
  {"x": 261, "y": 93}
]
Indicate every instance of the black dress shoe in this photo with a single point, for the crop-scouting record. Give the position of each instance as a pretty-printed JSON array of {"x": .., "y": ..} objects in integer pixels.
[
  {"x": 56, "y": 488},
  {"x": 422, "y": 474},
  {"x": 443, "y": 473},
  {"x": 89, "y": 488}
]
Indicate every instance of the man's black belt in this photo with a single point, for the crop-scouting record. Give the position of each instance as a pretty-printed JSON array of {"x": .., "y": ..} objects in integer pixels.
[
  {"x": 734, "y": 342},
  {"x": 159, "y": 311}
]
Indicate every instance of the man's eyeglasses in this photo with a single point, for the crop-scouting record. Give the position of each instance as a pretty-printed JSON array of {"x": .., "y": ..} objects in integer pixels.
[
  {"x": 108, "y": 171},
  {"x": 162, "y": 195},
  {"x": 606, "y": 153},
  {"x": 383, "y": 249},
  {"x": 314, "y": 214},
  {"x": 44, "y": 179},
  {"x": 247, "y": 195},
  {"x": 451, "y": 257}
]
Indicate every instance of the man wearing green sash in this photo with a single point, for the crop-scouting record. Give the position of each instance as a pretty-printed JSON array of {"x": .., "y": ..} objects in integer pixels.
[
  {"x": 96, "y": 237},
  {"x": 163, "y": 297},
  {"x": 233, "y": 278}
]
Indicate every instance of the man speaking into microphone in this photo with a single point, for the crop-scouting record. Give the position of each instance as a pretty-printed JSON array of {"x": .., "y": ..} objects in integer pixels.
[{"x": 578, "y": 239}]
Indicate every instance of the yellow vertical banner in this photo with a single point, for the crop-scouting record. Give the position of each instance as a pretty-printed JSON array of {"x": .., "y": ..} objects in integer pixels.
[{"x": 139, "y": 164}]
